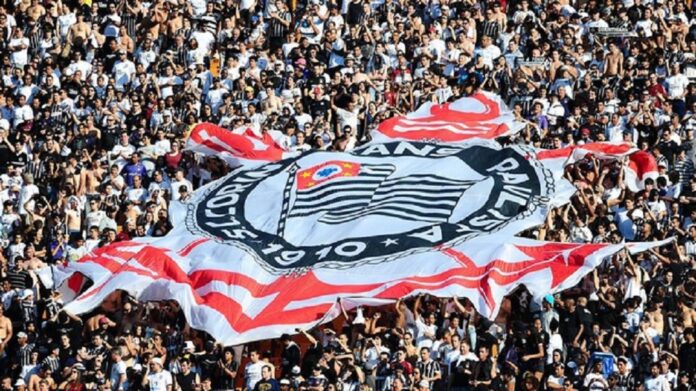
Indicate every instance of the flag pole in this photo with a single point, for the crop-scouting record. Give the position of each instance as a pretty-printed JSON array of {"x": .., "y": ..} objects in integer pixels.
[{"x": 286, "y": 199}]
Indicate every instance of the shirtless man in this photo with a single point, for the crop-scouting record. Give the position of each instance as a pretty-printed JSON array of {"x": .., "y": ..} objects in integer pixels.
[
  {"x": 73, "y": 216},
  {"x": 154, "y": 20},
  {"x": 79, "y": 31},
  {"x": 5, "y": 329},
  {"x": 44, "y": 375},
  {"x": 614, "y": 61},
  {"x": 36, "y": 11},
  {"x": 174, "y": 24},
  {"x": 686, "y": 315},
  {"x": 654, "y": 316},
  {"x": 127, "y": 42},
  {"x": 499, "y": 16}
]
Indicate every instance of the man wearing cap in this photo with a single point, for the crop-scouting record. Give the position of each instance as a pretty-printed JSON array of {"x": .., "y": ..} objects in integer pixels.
[
  {"x": 156, "y": 377},
  {"x": 123, "y": 70},
  {"x": 20, "y": 385},
  {"x": 23, "y": 350}
]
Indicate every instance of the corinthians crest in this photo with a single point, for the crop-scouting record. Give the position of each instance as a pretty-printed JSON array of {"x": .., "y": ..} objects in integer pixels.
[{"x": 374, "y": 204}]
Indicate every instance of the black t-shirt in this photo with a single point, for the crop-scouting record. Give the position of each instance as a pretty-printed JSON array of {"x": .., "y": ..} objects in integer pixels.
[
  {"x": 207, "y": 364},
  {"x": 319, "y": 108},
  {"x": 19, "y": 159},
  {"x": 186, "y": 382},
  {"x": 585, "y": 318},
  {"x": 687, "y": 357},
  {"x": 533, "y": 341},
  {"x": 290, "y": 357},
  {"x": 267, "y": 385},
  {"x": 311, "y": 358},
  {"x": 461, "y": 373},
  {"x": 4, "y": 156},
  {"x": 569, "y": 325}
]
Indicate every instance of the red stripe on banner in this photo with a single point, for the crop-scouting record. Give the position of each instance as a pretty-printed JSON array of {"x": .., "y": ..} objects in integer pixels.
[
  {"x": 478, "y": 124},
  {"x": 105, "y": 262},
  {"x": 492, "y": 111},
  {"x": 607, "y": 149},
  {"x": 642, "y": 163},
  {"x": 241, "y": 146},
  {"x": 75, "y": 282},
  {"x": 561, "y": 259},
  {"x": 554, "y": 153},
  {"x": 191, "y": 246}
]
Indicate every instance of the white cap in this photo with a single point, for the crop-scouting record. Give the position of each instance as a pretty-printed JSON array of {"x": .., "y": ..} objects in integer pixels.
[
  {"x": 20, "y": 382},
  {"x": 156, "y": 360},
  {"x": 26, "y": 293},
  {"x": 4, "y": 124}
]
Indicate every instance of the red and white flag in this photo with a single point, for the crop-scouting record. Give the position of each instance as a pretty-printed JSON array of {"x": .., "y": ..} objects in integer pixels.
[
  {"x": 269, "y": 249},
  {"x": 640, "y": 166},
  {"x": 238, "y": 147},
  {"x": 483, "y": 115},
  {"x": 236, "y": 301}
]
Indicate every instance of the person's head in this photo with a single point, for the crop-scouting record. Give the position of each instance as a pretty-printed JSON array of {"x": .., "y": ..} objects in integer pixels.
[
  {"x": 155, "y": 364},
  {"x": 425, "y": 354},
  {"x": 254, "y": 356},
  {"x": 266, "y": 372},
  {"x": 654, "y": 369},
  {"x": 464, "y": 347},
  {"x": 116, "y": 354},
  {"x": 228, "y": 354}
]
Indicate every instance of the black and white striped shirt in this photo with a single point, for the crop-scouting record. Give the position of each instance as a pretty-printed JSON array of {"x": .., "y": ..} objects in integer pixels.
[
  {"x": 24, "y": 354},
  {"x": 685, "y": 168},
  {"x": 53, "y": 363},
  {"x": 490, "y": 28},
  {"x": 428, "y": 369},
  {"x": 278, "y": 30}
]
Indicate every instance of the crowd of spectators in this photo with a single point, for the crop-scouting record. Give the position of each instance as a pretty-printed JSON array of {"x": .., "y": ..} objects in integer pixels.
[{"x": 96, "y": 99}]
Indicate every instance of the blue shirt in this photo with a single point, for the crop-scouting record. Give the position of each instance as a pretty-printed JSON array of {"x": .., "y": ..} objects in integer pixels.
[{"x": 131, "y": 170}]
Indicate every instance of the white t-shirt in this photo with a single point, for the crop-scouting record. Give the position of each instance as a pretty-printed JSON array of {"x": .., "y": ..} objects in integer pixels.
[
  {"x": 252, "y": 374},
  {"x": 117, "y": 370},
  {"x": 204, "y": 38},
  {"x": 198, "y": 7},
  {"x": 676, "y": 86},
  {"x": 422, "y": 341},
  {"x": 19, "y": 57},
  {"x": 372, "y": 355},
  {"x": 656, "y": 384},
  {"x": 169, "y": 90},
  {"x": 25, "y": 195},
  {"x": 160, "y": 381},
  {"x": 123, "y": 70},
  {"x": 346, "y": 117}
]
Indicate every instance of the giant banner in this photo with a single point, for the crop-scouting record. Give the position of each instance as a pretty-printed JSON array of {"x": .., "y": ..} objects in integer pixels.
[{"x": 271, "y": 248}]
